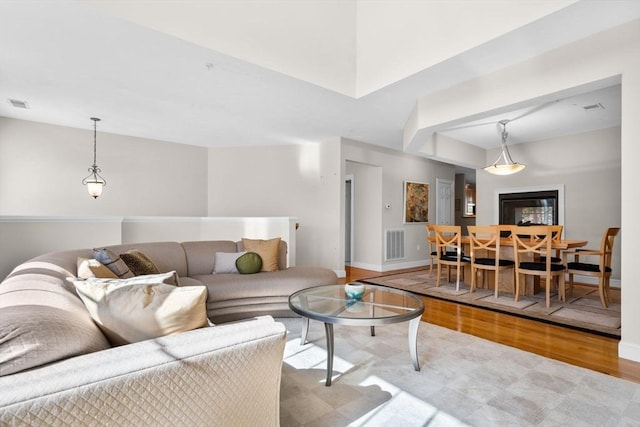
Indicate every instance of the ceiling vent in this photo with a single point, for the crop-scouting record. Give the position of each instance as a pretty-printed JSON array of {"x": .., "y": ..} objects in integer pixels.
[
  {"x": 592, "y": 107},
  {"x": 19, "y": 104}
]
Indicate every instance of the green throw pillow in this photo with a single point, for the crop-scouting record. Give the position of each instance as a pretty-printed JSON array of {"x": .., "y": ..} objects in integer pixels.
[{"x": 249, "y": 263}]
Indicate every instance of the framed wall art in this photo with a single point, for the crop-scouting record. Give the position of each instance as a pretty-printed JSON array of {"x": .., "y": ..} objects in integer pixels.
[{"x": 416, "y": 202}]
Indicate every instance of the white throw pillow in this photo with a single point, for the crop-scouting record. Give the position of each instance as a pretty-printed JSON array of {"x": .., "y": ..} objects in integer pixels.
[
  {"x": 143, "y": 307},
  {"x": 225, "y": 262}
]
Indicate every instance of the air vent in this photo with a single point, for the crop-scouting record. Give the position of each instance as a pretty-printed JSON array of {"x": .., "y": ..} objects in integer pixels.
[
  {"x": 592, "y": 107},
  {"x": 394, "y": 242},
  {"x": 19, "y": 104}
]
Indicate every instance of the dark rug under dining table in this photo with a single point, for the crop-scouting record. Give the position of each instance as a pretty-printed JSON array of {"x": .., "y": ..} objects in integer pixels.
[{"x": 582, "y": 310}]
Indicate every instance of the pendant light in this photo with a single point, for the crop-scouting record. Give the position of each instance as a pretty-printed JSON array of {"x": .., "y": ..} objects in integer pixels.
[
  {"x": 509, "y": 166},
  {"x": 94, "y": 181}
]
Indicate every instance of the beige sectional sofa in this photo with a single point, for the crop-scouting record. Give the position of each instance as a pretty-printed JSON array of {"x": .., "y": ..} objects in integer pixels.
[{"x": 58, "y": 368}]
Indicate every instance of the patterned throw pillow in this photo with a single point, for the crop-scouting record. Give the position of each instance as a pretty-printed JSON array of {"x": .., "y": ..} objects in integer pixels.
[
  {"x": 139, "y": 263},
  {"x": 267, "y": 249},
  {"x": 249, "y": 263},
  {"x": 113, "y": 262}
]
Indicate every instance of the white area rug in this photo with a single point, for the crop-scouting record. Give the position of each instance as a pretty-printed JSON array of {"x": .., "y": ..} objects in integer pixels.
[{"x": 464, "y": 380}]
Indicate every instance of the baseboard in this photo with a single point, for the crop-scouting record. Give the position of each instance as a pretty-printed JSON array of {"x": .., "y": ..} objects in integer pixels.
[
  {"x": 614, "y": 283},
  {"x": 403, "y": 265},
  {"x": 390, "y": 267},
  {"x": 630, "y": 351}
]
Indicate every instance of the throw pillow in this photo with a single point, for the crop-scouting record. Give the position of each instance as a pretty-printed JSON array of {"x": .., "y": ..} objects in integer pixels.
[
  {"x": 225, "y": 262},
  {"x": 169, "y": 278},
  {"x": 134, "y": 310},
  {"x": 139, "y": 263},
  {"x": 26, "y": 341},
  {"x": 113, "y": 262},
  {"x": 93, "y": 268},
  {"x": 249, "y": 263},
  {"x": 267, "y": 249}
]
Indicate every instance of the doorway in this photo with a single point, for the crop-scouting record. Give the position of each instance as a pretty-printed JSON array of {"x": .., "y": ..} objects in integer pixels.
[
  {"x": 348, "y": 219},
  {"x": 444, "y": 201}
]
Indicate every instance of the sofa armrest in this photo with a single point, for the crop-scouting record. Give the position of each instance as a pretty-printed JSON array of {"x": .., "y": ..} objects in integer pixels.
[{"x": 223, "y": 375}]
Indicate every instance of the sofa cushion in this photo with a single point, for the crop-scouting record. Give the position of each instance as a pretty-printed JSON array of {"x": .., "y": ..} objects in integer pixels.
[
  {"x": 249, "y": 263},
  {"x": 139, "y": 263},
  {"x": 267, "y": 249},
  {"x": 93, "y": 268},
  {"x": 200, "y": 255},
  {"x": 27, "y": 342},
  {"x": 113, "y": 261},
  {"x": 144, "y": 307},
  {"x": 225, "y": 262}
]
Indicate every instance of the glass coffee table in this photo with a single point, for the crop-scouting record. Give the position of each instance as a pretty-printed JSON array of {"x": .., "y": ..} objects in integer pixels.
[{"x": 378, "y": 306}]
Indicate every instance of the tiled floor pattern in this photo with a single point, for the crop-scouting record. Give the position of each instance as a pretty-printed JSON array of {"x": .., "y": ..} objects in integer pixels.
[{"x": 464, "y": 380}]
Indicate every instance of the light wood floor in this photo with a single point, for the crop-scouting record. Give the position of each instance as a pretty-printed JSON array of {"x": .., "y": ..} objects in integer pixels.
[{"x": 567, "y": 345}]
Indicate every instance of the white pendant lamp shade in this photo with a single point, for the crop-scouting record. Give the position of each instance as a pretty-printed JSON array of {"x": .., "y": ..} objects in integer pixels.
[{"x": 95, "y": 188}]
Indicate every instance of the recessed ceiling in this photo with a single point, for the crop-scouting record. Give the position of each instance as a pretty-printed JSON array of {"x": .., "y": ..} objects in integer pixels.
[{"x": 599, "y": 109}]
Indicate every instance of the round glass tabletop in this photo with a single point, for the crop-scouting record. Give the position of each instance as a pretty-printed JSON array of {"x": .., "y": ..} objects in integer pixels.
[{"x": 378, "y": 306}]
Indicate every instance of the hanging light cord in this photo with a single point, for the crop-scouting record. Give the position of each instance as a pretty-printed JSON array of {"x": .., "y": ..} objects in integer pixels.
[{"x": 95, "y": 169}]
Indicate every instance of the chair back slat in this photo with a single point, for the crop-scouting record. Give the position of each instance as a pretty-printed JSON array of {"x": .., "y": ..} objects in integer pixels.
[
  {"x": 483, "y": 238},
  {"x": 606, "y": 247}
]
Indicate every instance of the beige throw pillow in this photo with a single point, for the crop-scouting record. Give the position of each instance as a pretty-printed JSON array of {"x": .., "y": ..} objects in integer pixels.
[
  {"x": 143, "y": 307},
  {"x": 88, "y": 268},
  {"x": 267, "y": 249}
]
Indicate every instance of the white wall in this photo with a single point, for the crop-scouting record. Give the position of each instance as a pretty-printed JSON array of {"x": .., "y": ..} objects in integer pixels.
[
  {"x": 42, "y": 166},
  {"x": 379, "y": 176},
  {"x": 24, "y": 237},
  {"x": 302, "y": 181}
]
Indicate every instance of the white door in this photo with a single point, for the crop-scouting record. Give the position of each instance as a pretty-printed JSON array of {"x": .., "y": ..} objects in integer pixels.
[{"x": 444, "y": 202}]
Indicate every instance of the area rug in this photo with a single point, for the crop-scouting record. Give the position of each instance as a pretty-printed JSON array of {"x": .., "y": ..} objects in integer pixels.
[
  {"x": 582, "y": 310},
  {"x": 464, "y": 380}
]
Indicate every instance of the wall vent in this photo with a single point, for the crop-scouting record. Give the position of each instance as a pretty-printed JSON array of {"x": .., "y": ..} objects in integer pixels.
[
  {"x": 19, "y": 104},
  {"x": 394, "y": 245}
]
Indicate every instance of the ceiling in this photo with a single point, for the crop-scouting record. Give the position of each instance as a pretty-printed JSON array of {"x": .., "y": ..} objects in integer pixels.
[{"x": 221, "y": 72}]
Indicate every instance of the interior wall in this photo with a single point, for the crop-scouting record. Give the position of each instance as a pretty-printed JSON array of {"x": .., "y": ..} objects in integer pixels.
[
  {"x": 301, "y": 181},
  {"x": 42, "y": 166},
  {"x": 395, "y": 168}
]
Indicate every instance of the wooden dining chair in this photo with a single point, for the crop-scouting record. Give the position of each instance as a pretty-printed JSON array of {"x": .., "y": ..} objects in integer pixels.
[
  {"x": 450, "y": 252},
  {"x": 601, "y": 269},
  {"x": 484, "y": 242},
  {"x": 530, "y": 243}
]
